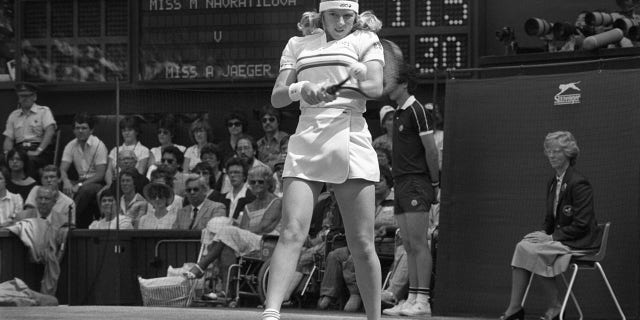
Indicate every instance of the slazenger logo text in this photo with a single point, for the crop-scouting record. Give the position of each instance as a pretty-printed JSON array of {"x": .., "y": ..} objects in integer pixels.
[{"x": 572, "y": 98}]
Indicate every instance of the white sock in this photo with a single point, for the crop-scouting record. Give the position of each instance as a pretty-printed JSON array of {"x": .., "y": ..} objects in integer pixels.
[
  {"x": 422, "y": 298},
  {"x": 271, "y": 314},
  {"x": 412, "y": 298}
]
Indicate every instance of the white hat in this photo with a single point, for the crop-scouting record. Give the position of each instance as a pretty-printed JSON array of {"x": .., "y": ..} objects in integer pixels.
[{"x": 383, "y": 112}]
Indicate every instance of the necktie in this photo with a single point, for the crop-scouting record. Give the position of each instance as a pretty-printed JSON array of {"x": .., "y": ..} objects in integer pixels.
[
  {"x": 193, "y": 219},
  {"x": 557, "y": 198}
]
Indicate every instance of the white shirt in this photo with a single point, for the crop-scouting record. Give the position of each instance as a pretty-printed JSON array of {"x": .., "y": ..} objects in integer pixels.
[
  {"x": 234, "y": 200},
  {"x": 193, "y": 154},
  {"x": 102, "y": 224},
  {"x": 150, "y": 221},
  {"x": 85, "y": 160},
  {"x": 10, "y": 205}
]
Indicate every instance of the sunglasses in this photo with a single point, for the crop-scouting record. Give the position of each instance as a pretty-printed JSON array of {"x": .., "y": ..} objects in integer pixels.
[
  {"x": 268, "y": 119},
  {"x": 161, "y": 131},
  {"x": 189, "y": 190},
  {"x": 234, "y": 124},
  {"x": 252, "y": 182},
  {"x": 168, "y": 161}
]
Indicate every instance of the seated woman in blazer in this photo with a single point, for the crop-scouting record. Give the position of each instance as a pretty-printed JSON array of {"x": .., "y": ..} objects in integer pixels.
[{"x": 569, "y": 223}]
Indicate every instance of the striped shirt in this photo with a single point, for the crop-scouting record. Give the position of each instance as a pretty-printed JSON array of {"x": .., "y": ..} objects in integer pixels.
[{"x": 316, "y": 60}]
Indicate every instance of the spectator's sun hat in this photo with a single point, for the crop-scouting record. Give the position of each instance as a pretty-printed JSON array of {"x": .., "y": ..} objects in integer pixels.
[{"x": 383, "y": 112}]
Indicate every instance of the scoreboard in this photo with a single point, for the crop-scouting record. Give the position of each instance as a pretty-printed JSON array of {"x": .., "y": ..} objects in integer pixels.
[
  {"x": 215, "y": 41},
  {"x": 434, "y": 34}
]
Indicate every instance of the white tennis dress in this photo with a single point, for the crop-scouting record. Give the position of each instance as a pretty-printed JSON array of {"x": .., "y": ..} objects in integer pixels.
[{"x": 332, "y": 142}]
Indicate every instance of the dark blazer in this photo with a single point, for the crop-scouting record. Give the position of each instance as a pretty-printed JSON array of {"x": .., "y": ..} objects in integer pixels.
[
  {"x": 249, "y": 197},
  {"x": 575, "y": 222}
]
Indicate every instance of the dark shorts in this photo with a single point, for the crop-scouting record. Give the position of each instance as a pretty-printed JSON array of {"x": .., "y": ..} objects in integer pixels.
[{"x": 413, "y": 193}]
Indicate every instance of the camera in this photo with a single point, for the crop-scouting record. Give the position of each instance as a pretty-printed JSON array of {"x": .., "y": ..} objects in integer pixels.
[
  {"x": 597, "y": 18},
  {"x": 537, "y": 27},
  {"x": 625, "y": 24}
]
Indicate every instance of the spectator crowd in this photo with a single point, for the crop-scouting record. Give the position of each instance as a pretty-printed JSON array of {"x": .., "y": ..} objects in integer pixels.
[{"x": 236, "y": 181}]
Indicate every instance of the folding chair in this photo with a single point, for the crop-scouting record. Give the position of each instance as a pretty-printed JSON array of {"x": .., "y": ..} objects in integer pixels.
[{"x": 587, "y": 260}]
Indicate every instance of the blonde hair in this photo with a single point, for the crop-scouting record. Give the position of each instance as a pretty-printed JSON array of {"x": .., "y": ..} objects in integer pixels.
[
  {"x": 369, "y": 21},
  {"x": 308, "y": 20},
  {"x": 265, "y": 174},
  {"x": 566, "y": 141}
]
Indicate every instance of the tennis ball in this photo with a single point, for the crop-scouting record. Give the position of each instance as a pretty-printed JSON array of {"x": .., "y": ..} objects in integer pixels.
[{"x": 358, "y": 71}]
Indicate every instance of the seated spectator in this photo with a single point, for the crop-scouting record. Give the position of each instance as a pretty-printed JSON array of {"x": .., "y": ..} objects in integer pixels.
[
  {"x": 212, "y": 155},
  {"x": 19, "y": 166},
  {"x": 384, "y": 157},
  {"x": 161, "y": 175},
  {"x": 31, "y": 129},
  {"x": 240, "y": 195},
  {"x": 262, "y": 216},
  {"x": 126, "y": 159},
  {"x": 45, "y": 241},
  {"x": 132, "y": 204},
  {"x": 108, "y": 213},
  {"x": 166, "y": 133},
  {"x": 395, "y": 294},
  {"x": 89, "y": 157},
  {"x": 237, "y": 126},
  {"x": 278, "y": 168},
  {"x": 284, "y": 145},
  {"x": 326, "y": 215},
  {"x": 269, "y": 145},
  {"x": 246, "y": 149},
  {"x": 200, "y": 135},
  {"x": 63, "y": 206},
  {"x": 159, "y": 215},
  {"x": 130, "y": 131},
  {"x": 10, "y": 203},
  {"x": 385, "y": 141},
  {"x": 172, "y": 160},
  {"x": 203, "y": 169},
  {"x": 339, "y": 262},
  {"x": 200, "y": 210}
]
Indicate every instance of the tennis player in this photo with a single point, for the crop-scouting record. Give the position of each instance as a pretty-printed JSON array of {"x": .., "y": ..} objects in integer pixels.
[{"x": 332, "y": 144}]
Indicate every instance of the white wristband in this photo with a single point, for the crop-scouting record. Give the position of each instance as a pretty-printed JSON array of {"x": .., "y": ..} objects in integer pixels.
[{"x": 295, "y": 90}]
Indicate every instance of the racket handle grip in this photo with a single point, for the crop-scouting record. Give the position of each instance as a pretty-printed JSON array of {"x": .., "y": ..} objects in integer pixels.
[{"x": 333, "y": 89}]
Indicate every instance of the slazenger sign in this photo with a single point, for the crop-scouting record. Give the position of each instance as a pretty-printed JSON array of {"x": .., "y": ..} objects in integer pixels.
[{"x": 569, "y": 94}]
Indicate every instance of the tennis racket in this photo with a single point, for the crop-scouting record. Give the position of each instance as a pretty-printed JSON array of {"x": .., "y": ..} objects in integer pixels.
[{"x": 393, "y": 61}]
